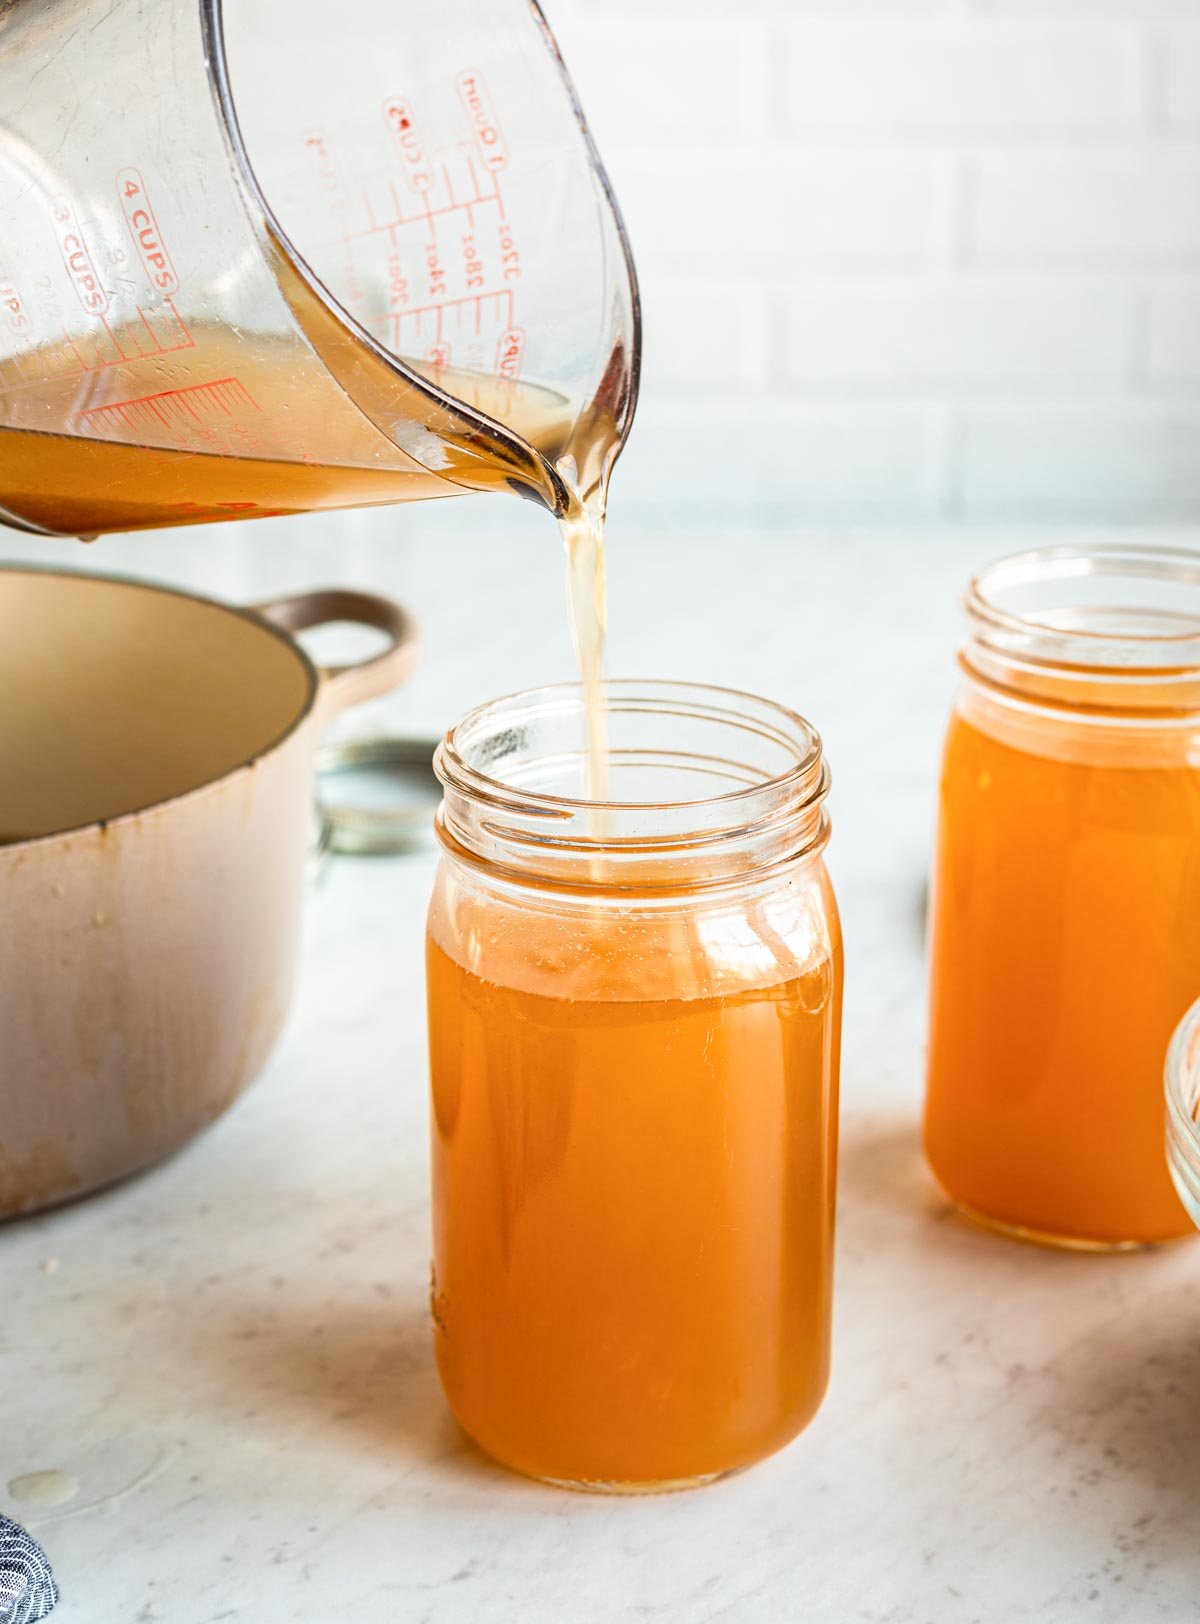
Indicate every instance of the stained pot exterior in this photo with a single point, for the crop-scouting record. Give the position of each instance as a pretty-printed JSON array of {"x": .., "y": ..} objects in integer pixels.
[{"x": 146, "y": 964}]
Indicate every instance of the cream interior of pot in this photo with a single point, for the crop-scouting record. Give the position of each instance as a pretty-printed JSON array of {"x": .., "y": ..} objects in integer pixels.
[{"x": 115, "y": 696}]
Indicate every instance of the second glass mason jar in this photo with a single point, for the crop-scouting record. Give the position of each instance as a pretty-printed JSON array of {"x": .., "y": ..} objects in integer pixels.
[
  {"x": 634, "y": 1025},
  {"x": 1065, "y": 909}
]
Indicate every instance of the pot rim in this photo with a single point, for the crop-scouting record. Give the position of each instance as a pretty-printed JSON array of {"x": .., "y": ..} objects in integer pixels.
[{"x": 260, "y": 621}]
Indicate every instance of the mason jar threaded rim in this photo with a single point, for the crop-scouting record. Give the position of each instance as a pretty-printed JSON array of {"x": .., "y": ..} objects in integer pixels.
[
  {"x": 728, "y": 786},
  {"x": 1109, "y": 632}
]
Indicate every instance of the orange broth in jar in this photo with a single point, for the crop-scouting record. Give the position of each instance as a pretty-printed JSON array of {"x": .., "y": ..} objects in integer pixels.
[
  {"x": 1065, "y": 909},
  {"x": 634, "y": 1089}
]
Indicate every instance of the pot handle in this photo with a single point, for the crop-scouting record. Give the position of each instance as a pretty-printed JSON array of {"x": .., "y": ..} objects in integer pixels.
[{"x": 344, "y": 685}]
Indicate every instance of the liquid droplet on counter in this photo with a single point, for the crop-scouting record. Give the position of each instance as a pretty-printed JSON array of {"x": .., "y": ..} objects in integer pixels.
[{"x": 51, "y": 1488}]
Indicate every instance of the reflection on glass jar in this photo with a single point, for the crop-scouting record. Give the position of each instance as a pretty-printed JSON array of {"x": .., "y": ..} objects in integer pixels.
[
  {"x": 1065, "y": 913},
  {"x": 634, "y": 1018}
]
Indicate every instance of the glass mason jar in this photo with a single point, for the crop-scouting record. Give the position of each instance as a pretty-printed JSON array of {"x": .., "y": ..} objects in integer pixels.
[
  {"x": 634, "y": 1023},
  {"x": 1065, "y": 907}
]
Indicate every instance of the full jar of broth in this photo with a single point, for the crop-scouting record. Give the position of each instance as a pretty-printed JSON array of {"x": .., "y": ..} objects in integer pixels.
[
  {"x": 1065, "y": 911},
  {"x": 634, "y": 1023}
]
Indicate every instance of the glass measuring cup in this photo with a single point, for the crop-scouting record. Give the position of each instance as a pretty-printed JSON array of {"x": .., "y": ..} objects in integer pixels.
[{"x": 276, "y": 256}]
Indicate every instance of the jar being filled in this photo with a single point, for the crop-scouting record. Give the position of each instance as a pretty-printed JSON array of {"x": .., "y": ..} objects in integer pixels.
[
  {"x": 1065, "y": 913},
  {"x": 634, "y": 1023}
]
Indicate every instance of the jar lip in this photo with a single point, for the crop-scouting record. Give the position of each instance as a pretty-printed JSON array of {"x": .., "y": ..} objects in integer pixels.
[
  {"x": 741, "y": 708},
  {"x": 1161, "y": 564}
]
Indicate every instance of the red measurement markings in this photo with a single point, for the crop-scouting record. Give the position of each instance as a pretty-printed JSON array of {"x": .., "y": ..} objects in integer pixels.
[
  {"x": 472, "y": 263},
  {"x": 161, "y": 331},
  {"x": 397, "y": 281},
  {"x": 510, "y": 258},
  {"x": 85, "y": 279},
  {"x": 317, "y": 145},
  {"x": 327, "y": 173},
  {"x": 418, "y": 171},
  {"x": 11, "y": 307},
  {"x": 510, "y": 353},
  {"x": 426, "y": 216},
  {"x": 392, "y": 326},
  {"x": 437, "y": 355},
  {"x": 436, "y": 270},
  {"x": 187, "y": 408},
  {"x": 220, "y": 510},
  {"x": 122, "y": 353},
  {"x": 481, "y": 116},
  {"x": 143, "y": 228}
]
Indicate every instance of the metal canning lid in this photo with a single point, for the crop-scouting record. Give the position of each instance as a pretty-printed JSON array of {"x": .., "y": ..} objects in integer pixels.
[{"x": 377, "y": 796}]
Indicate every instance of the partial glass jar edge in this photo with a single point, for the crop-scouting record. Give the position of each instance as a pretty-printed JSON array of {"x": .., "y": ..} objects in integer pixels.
[
  {"x": 1182, "y": 1084},
  {"x": 1126, "y": 654}
]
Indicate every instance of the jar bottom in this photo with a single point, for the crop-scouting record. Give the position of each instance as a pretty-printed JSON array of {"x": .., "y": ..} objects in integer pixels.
[
  {"x": 1052, "y": 1241},
  {"x": 613, "y": 1488},
  {"x": 679, "y": 1485},
  {"x": 616, "y": 1487}
]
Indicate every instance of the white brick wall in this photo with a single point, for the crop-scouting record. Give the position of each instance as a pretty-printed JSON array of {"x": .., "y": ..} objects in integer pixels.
[
  {"x": 899, "y": 81},
  {"x": 933, "y": 259}
]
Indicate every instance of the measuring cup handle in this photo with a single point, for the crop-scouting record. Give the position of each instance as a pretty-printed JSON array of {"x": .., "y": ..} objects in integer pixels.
[{"x": 344, "y": 685}]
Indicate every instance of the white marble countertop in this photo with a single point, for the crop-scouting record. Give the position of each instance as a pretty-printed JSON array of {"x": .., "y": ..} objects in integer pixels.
[{"x": 231, "y": 1354}]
